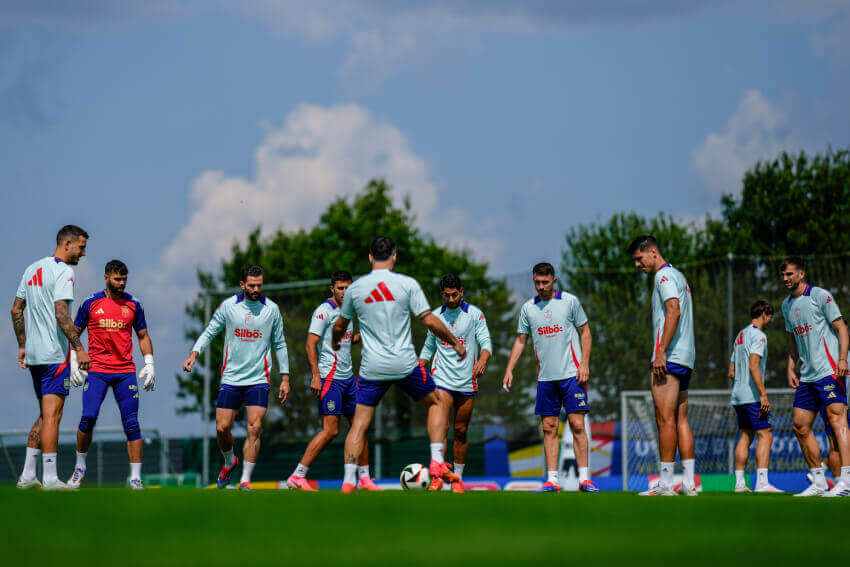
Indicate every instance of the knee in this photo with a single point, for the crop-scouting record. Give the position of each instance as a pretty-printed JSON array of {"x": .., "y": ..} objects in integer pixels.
[
  {"x": 550, "y": 429},
  {"x": 222, "y": 428},
  {"x": 255, "y": 428},
  {"x": 765, "y": 435},
  {"x": 460, "y": 433},
  {"x": 331, "y": 431},
  {"x": 131, "y": 426},
  {"x": 87, "y": 424},
  {"x": 802, "y": 429},
  {"x": 577, "y": 426}
]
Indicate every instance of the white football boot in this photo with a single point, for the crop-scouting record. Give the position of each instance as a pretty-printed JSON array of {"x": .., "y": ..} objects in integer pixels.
[
  {"x": 25, "y": 484},
  {"x": 55, "y": 485},
  {"x": 741, "y": 488},
  {"x": 768, "y": 489},
  {"x": 77, "y": 478},
  {"x": 658, "y": 490},
  {"x": 687, "y": 490},
  {"x": 840, "y": 489},
  {"x": 812, "y": 490},
  {"x": 136, "y": 484}
]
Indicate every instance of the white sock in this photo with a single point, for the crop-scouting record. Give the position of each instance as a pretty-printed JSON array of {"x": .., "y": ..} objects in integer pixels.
[
  {"x": 761, "y": 478},
  {"x": 30, "y": 464},
  {"x": 583, "y": 474},
  {"x": 845, "y": 474},
  {"x": 350, "y": 474},
  {"x": 48, "y": 461},
  {"x": 688, "y": 465},
  {"x": 437, "y": 452},
  {"x": 459, "y": 469},
  {"x": 229, "y": 459},
  {"x": 363, "y": 471},
  {"x": 81, "y": 460},
  {"x": 301, "y": 470},
  {"x": 553, "y": 478},
  {"x": 247, "y": 469},
  {"x": 666, "y": 475},
  {"x": 135, "y": 471},
  {"x": 820, "y": 479},
  {"x": 739, "y": 478}
]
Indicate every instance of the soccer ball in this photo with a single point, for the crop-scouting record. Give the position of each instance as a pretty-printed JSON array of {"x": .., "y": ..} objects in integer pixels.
[{"x": 415, "y": 477}]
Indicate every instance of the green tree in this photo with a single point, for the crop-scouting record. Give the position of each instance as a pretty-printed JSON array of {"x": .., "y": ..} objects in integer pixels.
[{"x": 340, "y": 240}]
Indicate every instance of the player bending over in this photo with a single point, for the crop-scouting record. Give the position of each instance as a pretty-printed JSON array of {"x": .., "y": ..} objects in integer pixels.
[
  {"x": 109, "y": 316},
  {"x": 672, "y": 363},
  {"x": 818, "y": 338},
  {"x": 561, "y": 338},
  {"x": 382, "y": 302},
  {"x": 749, "y": 397},
  {"x": 333, "y": 384},
  {"x": 457, "y": 379},
  {"x": 252, "y": 327},
  {"x": 41, "y": 317}
]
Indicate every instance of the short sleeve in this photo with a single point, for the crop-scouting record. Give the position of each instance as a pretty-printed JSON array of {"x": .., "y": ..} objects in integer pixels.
[
  {"x": 666, "y": 287},
  {"x": 758, "y": 344},
  {"x": 523, "y": 328},
  {"x": 22, "y": 287},
  {"x": 577, "y": 314},
  {"x": 139, "y": 322},
  {"x": 81, "y": 321},
  {"x": 347, "y": 309},
  {"x": 319, "y": 322},
  {"x": 63, "y": 287},
  {"x": 828, "y": 306},
  {"x": 418, "y": 303},
  {"x": 788, "y": 327}
]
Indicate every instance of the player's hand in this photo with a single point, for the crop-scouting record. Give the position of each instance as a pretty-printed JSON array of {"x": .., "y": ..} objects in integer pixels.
[
  {"x": 22, "y": 356},
  {"x": 507, "y": 381},
  {"x": 355, "y": 339},
  {"x": 78, "y": 377},
  {"x": 147, "y": 374},
  {"x": 793, "y": 381},
  {"x": 460, "y": 350},
  {"x": 479, "y": 368},
  {"x": 765, "y": 404},
  {"x": 83, "y": 359},
  {"x": 659, "y": 365},
  {"x": 189, "y": 363},
  {"x": 284, "y": 388},
  {"x": 583, "y": 373},
  {"x": 335, "y": 344},
  {"x": 842, "y": 368},
  {"x": 316, "y": 385}
]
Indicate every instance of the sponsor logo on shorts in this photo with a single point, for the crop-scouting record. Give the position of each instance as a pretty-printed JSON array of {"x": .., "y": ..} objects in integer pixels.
[
  {"x": 828, "y": 387},
  {"x": 67, "y": 383},
  {"x": 579, "y": 395},
  {"x": 831, "y": 395},
  {"x": 86, "y": 385}
]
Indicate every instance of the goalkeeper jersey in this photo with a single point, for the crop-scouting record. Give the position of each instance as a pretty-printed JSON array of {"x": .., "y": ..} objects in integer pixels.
[
  {"x": 332, "y": 364},
  {"x": 45, "y": 282},
  {"x": 809, "y": 319},
  {"x": 252, "y": 329},
  {"x": 467, "y": 323}
]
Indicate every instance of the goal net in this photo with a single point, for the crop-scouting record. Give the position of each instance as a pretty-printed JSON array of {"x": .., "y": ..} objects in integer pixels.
[{"x": 715, "y": 428}]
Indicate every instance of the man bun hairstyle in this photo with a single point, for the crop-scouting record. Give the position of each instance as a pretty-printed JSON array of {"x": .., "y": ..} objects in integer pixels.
[
  {"x": 340, "y": 276},
  {"x": 795, "y": 260},
  {"x": 382, "y": 248},
  {"x": 450, "y": 281},
  {"x": 116, "y": 267},
  {"x": 543, "y": 269},
  {"x": 251, "y": 270},
  {"x": 760, "y": 307},
  {"x": 70, "y": 232},
  {"x": 643, "y": 243}
]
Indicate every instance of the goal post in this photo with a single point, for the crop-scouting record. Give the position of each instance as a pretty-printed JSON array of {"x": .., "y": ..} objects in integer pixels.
[{"x": 715, "y": 428}]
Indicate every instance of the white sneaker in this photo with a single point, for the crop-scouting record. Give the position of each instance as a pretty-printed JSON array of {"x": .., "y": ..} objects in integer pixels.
[
  {"x": 768, "y": 489},
  {"x": 55, "y": 485},
  {"x": 77, "y": 478},
  {"x": 25, "y": 484},
  {"x": 812, "y": 490},
  {"x": 739, "y": 488},
  {"x": 687, "y": 490},
  {"x": 658, "y": 490},
  {"x": 136, "y": 484},
  {"x": 841, "y": 488}
]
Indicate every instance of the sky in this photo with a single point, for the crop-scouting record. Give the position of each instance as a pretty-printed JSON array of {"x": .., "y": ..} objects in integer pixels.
[{"x": 169, "y": 130}]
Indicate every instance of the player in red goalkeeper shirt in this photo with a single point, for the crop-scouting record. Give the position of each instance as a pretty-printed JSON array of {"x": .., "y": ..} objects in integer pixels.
[{"x": 109, "y": 316}]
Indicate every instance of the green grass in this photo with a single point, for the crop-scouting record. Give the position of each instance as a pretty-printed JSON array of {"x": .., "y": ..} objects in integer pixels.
[{"x": 192, "y": 527}]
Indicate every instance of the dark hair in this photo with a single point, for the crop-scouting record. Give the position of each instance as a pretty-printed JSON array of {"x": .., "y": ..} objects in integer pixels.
[
  {"x": 340, "y": 276},
  {"x": 251, "y": 270},
  {"x": 70, "y": 232},
  {"x": 450, "y": 280},
  {"x": 759, "y": 307},
  {"x": 382, "y": 248},
  {"x": 115, "y": 267},
  {"x": 642, "y": 243},
  {"x": 796, "y": 260},
  {"x": 543, "y": 269}
]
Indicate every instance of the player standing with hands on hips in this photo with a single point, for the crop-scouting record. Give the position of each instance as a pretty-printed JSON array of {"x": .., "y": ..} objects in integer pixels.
[{"x": 253, "y": 326}]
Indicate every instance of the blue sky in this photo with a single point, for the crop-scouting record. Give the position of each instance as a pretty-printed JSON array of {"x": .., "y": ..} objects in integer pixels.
[{"x": 169, "y": 129}]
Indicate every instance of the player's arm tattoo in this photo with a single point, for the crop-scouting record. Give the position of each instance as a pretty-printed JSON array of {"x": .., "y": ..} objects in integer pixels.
[
  {"x": 63, "y": 318},
  {"x": 18, "y": 320}
]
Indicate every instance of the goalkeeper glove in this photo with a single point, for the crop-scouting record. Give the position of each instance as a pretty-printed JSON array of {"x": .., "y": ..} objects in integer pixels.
[
  {"x": 147, "y": 374},
  {"x": 78, "y": 377}
]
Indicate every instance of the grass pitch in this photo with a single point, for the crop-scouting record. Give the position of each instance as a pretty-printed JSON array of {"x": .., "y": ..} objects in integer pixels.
[{"x": 117, "y": 527}]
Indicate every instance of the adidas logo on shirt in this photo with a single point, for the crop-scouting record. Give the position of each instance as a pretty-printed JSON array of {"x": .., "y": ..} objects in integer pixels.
[
  {"x": 36, "y": 279},
  {"x": 380, "y": 293},
  {"x": 99, "y": 311}
]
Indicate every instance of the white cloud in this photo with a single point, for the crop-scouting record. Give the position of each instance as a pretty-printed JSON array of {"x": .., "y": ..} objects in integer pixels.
[{"x": 754, "y": 132}]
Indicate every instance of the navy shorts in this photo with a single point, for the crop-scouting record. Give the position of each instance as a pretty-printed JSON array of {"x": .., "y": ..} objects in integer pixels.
[
  {"x": 826, "y": 426},
  {"x": 683, "y": 373},
  {"x": 552, "y": 395},
  {"x": 234, "y": 397},
  {"x": 751, "y": 417},
  {"x": 457, "y": 395},
  {"x": 51, "y": 379},
  {"x": 813, "y": 396},
  {"x": 338, "y": 397},
  {"x": 417, "y": 385}
]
